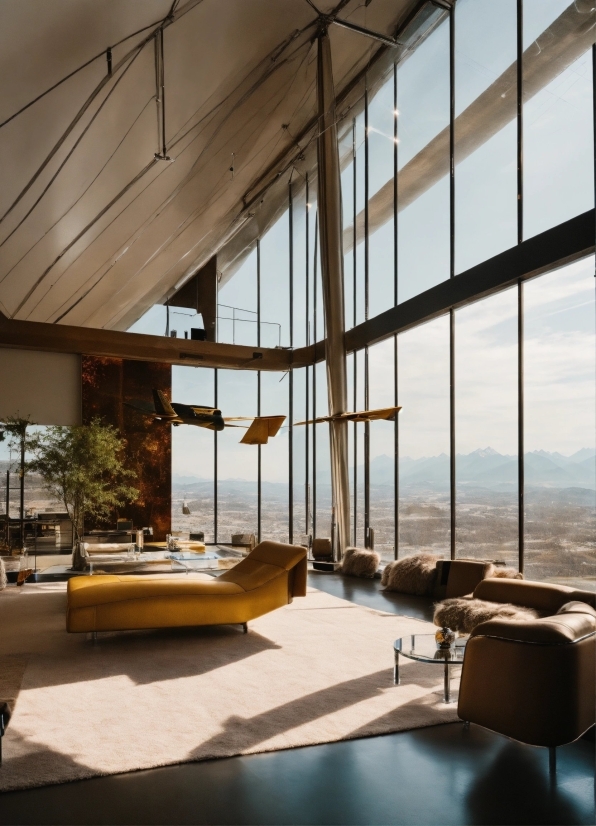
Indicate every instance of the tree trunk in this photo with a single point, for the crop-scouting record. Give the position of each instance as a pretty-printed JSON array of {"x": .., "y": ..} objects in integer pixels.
[{"x": 78, "y": 561}]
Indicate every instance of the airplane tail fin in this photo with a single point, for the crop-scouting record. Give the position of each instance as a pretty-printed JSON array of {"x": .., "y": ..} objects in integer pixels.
[{"x": 162, "y": 405}]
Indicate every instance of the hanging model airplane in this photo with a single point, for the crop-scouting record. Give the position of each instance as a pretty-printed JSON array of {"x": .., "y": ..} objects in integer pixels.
[
  {"x": 261, "y": 429},
  {"x": 386, "y": 414}
]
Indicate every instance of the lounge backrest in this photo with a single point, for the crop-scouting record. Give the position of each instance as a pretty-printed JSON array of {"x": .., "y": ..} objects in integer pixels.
[
  {"x": 266, "y": 562},
  {"x": 541, "y": 596}
]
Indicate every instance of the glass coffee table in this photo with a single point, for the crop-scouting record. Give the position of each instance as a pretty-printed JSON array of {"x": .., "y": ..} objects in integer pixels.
[{"x": 423, "y": 649}]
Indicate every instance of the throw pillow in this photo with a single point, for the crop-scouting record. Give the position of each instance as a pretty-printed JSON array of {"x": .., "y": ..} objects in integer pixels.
[
  {"x": 411, "y": 575},
  {"x": 360, "y": 562},
  {"x": 463, "y": 614},
  {"x": 506, "y": 573}
]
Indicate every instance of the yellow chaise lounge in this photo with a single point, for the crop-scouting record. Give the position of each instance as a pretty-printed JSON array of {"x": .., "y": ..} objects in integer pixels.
[{"x": 269, "y": 577}]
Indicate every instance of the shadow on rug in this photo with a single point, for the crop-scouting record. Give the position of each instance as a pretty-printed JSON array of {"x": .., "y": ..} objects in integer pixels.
[{"x": 316, "y": 671}]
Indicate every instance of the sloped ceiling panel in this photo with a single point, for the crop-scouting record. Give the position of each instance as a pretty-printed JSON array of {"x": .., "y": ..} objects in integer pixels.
[{"x": 103, "y": 229}]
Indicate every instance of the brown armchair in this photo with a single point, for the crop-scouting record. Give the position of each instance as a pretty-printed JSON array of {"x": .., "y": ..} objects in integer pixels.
[{"x": 532, "y": 680}]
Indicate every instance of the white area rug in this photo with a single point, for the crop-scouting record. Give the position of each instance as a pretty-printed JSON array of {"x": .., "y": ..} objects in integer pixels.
[{"x": 316, "y": 671}]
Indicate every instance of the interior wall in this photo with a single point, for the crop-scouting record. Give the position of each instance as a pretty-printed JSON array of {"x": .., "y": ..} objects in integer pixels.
[
  {"x": 109, "y": 385},
  {"x": 46, "y": 387}
]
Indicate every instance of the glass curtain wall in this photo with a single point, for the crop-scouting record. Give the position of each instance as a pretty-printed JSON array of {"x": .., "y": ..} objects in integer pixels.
[
  {"x": 489, "y": 124},
  {"x": 503, "y": 97}
]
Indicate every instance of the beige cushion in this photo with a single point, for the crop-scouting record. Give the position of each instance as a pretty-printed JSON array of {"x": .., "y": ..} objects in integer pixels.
[
  {"x": 411, "y": 575},
  {"x": 360, "y": 562}
]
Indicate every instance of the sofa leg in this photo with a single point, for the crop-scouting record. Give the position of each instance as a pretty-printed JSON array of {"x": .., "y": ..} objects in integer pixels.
[
  {"x": 94, "y": 637},
  {"x": 552, "y": 764},
  {"x": 245, "y": 628}
]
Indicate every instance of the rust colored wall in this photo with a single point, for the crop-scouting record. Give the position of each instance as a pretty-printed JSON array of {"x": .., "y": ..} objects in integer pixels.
[{"x": 107, "y": 384}]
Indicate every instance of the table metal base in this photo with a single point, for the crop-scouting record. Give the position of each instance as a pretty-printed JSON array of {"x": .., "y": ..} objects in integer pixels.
[{"x": 446, "y": 678}]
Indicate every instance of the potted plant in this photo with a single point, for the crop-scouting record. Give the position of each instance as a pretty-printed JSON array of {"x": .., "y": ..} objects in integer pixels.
[{"x": 82, "y": 466}]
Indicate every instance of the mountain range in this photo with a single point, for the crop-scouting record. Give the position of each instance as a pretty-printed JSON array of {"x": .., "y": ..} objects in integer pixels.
[{"x": 486, "y": 468}]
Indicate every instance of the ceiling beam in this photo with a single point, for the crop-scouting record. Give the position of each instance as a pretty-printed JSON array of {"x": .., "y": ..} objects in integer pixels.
[{"x": 60, "y": 338}]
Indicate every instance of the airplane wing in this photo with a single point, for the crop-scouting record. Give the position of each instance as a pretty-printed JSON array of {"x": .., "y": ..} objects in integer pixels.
[
  {"x": 380, "y": 414},
  {"x": 262, "y": 429},
  {"x": 163, "y": 408}
]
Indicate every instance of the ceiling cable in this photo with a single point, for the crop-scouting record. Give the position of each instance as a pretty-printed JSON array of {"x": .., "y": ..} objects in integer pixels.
[
  {"x": 108, "y": 53},
  {"x": 69, "y": 246},
  {"x": 106, "y": 79},
  {"x": 83, "y": 193},
  {"x": 70, "y": 152}
]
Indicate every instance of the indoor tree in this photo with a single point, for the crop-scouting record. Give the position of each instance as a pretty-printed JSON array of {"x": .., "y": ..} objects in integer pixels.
[{"x": 82, "y": 466}]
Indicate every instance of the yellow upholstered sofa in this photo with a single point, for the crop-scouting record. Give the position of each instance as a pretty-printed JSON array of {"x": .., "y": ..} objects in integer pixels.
[{"x": 269, "y": 577}]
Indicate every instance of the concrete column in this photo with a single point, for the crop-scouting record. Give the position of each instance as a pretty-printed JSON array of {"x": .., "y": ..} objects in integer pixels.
[{"x": 330, "y": 223}]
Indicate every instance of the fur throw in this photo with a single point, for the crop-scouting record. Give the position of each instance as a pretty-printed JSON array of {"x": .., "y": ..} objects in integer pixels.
[
  {"x": 411, "y": 575},
  {"x": 464, "y": 614},
  {"x": 506, "y": 573},
  {"x": 360, "y": 562}
]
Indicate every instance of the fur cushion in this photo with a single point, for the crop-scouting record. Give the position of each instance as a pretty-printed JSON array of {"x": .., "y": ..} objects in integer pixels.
[
  {"x": 360, "y": 562},
  {"x": 411, "y": 575},
  {"x": 464, "y": 614},
  {"x": 506, "y": 573}
]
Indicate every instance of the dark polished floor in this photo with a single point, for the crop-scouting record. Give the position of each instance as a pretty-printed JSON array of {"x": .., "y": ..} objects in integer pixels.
[{"x": 437, "y": 775}]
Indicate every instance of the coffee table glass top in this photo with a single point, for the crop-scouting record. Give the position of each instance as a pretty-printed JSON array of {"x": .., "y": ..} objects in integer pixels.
[
  {"x": 161, "y": 560},
  {"x": 423, "y": 648}
]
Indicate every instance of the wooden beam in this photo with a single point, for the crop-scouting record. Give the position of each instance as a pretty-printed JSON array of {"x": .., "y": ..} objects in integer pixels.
[{"x": 60, "y": 338}]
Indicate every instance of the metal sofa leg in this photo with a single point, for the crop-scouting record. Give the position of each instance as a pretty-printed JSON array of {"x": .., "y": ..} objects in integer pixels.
[{"x": 552, "y": 764}]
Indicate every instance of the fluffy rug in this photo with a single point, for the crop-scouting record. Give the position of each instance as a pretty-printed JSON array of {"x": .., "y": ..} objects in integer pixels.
[
  {"x": 316, "y": 671},
  {"x": 505, "y": 573},
  {"x": 411, "y": 575},
  {"x": 463, "y": 614},
  {"x": 360, "y": 562}
]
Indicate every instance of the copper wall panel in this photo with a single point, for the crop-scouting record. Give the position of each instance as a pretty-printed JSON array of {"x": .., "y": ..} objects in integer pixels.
[{"x": 107, "y": 384}]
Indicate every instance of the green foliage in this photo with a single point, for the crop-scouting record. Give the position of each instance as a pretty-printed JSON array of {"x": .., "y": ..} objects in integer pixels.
[
  {"x": 82, "y": 467},
  {"x": 15, "y": 428}
]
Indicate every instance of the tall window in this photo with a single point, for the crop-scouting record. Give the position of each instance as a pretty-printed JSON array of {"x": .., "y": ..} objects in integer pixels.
[
  {"x": 423, "y": 392},
  {"x": 486, "y": 428},
  {"x": 560, "y": 425},
  {"x": 193, "y": 452},
  {"x": 485, "y": 130},
  {"x": 558, "y": 112},
  {"x": 423, "y": 166}
]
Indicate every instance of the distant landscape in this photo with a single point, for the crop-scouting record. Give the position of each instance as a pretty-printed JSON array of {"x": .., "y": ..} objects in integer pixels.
[{"x": 560, "y": 508}]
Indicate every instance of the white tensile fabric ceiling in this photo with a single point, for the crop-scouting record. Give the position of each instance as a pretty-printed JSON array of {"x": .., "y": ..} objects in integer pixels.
[{"x": 103, "y": 230}]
